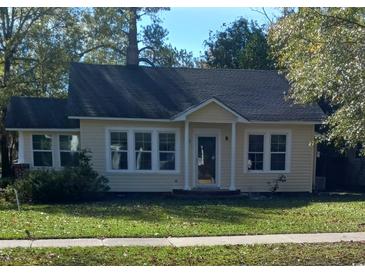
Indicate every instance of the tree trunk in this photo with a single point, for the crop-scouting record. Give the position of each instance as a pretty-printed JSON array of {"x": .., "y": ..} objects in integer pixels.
[
  {"x": 5, "y": 159},
  {"x": 4, "y": 144},
  {"x": 132, "y": 49}
]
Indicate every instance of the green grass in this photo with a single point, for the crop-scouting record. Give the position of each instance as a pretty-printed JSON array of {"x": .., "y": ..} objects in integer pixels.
[
  {"x": 278, "y": 254},
  {"x": 168, "y": 216}
]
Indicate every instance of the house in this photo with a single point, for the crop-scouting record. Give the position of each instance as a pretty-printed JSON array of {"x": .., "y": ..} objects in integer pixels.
[{"x": 159, "y": 129}]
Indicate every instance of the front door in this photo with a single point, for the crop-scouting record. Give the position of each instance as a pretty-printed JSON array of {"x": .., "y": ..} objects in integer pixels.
[{"x": 207, "y": 152}]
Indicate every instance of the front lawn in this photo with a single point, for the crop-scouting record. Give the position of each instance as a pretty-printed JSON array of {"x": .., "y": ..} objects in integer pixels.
[
  {"x": 278, "y": 254},
  {"x": 169, "y": 216}
]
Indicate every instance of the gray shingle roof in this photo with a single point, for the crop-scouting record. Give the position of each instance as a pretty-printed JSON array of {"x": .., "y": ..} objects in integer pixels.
[
  {"x": 158, "y": 93},
  {"x": 31, "y": 112},
  {"x": 161, "y": 93}
]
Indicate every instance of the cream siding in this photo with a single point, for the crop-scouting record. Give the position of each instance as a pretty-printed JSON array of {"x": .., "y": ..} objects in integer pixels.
[
  {"x": 301, "y": 166},
  {"x": 93, "y": 137},
  {"x": 212, "y": 113}
]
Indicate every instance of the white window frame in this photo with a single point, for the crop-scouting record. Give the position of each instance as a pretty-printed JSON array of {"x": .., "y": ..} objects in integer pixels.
[
  {"x": 267, "y": 150},
  {"x": 165, "y": 151},
  {"x": 131, "y": 149},
  {"x": 279, "y": 152},
  {"x": 256, "y": 152},
  {"x": 152, "y": 151},
  {"x": 42, "y": 150},
  {"x": 59, "y": 150},
  {"x": 109, "y": 149}
]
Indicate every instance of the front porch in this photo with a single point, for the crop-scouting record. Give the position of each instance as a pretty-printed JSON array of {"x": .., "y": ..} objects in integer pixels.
[{"x": 210, "y": 147}]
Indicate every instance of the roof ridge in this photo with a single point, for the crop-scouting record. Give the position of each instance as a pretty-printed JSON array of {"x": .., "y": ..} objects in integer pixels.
[{"x": 175, "y": 68}]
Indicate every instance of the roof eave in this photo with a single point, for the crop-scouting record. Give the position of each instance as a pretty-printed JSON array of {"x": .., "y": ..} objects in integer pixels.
[
  {"x": 182, "y": 116},
  {"x": 44, "y": 129},
  {"x": 294, "y": 122}
]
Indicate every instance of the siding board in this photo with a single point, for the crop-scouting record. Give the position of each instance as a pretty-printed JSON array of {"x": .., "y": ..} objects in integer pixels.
[{"x": 92, "y": 135}]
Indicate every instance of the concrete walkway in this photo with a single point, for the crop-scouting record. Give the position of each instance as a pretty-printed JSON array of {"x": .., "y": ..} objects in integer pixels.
[{"x": 191, "y": 241}]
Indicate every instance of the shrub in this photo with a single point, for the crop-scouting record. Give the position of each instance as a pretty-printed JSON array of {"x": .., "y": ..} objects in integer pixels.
[
  {"x": 4, "y": 182},
  {"x": 70, "y": 184}
]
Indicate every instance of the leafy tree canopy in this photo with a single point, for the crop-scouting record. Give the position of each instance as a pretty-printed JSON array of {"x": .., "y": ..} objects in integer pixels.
[
  {"x": 162, "y": 53},
  {"x": 240, "y": 45},
  {"x": 321, "y": 51},
  {"x": 38, "y": 44}
]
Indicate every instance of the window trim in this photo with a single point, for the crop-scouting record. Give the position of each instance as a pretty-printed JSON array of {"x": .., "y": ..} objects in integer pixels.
[
  {"x": 256, "y": 152},
  {"x": 42, "y": 150},
  {"x": 109, "y": 150},
  {"x": 56, "y": 154},
  {"x": 147, "y": 151},
  {"x": 59, "y": 150},
  {"x": 267, "y": 149},
  {"x": 131, "y": 149},
  {"x": 165, "y": 151},
  {"x": 278, "y": 152}
]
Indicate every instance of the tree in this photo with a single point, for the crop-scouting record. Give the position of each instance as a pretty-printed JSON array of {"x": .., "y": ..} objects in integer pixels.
[
  {"x": 36, "y": 47},
  {"x": 134, "y": 15},
  {"x": 161, "y": 53},
  {"x": 119, "y": 27},
  {"x": 240, "y": 45},
  {"x": 321, "y": 51},
  {"x": 103, "y": 37},
  {"x": 15, "y": 25},
  {"x": 255, "y": 54},
  {"x": 38, "y": 44}
]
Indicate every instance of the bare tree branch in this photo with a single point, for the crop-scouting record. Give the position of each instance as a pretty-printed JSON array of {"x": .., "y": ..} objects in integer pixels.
[
  {"x": 340, "y": 19},
  {"x": 263, "y": 12},
  {"x": 21, "y": 33},
  {"x": 146, "y": 61},
  {"x": 146, "y": 48},
  {"x": 112, "y": 47},
  {"x": 28, "y": 59}
]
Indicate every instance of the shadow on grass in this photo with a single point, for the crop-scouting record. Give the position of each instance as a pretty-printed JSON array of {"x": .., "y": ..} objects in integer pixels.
[{"x": 164, "y": 208}]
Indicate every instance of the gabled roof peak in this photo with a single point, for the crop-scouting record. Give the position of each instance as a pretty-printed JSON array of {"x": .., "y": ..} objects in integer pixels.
[{"x": 184, "y": 114}]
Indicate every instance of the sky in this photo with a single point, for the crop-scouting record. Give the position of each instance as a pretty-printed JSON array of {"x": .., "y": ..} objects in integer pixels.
[{"x": 189, "y": 27}]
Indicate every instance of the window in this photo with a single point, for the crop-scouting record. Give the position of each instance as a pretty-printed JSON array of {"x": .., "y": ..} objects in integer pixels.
[
  {"x": 256, "y": 152},
  {"x": 166, "y": 151},
  {"x": 278, "y": 152},
  {"x": 42, "y": 150},
  {"x": 143, "y": 150},
  {"x": 119, "y": 150},
  {"x": 268, "y": 151},
  {"x": 69, "y": 150}
]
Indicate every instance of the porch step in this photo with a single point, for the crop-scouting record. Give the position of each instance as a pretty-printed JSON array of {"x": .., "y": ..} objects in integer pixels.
[{"x": 202, "y": 192}]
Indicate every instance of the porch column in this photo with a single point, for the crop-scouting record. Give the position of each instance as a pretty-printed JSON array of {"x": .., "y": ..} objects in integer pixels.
[
  {"x": 232, "y": 185},
  {"x": 186, "y": 158},
  {"x": 20, "y": 147}
]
